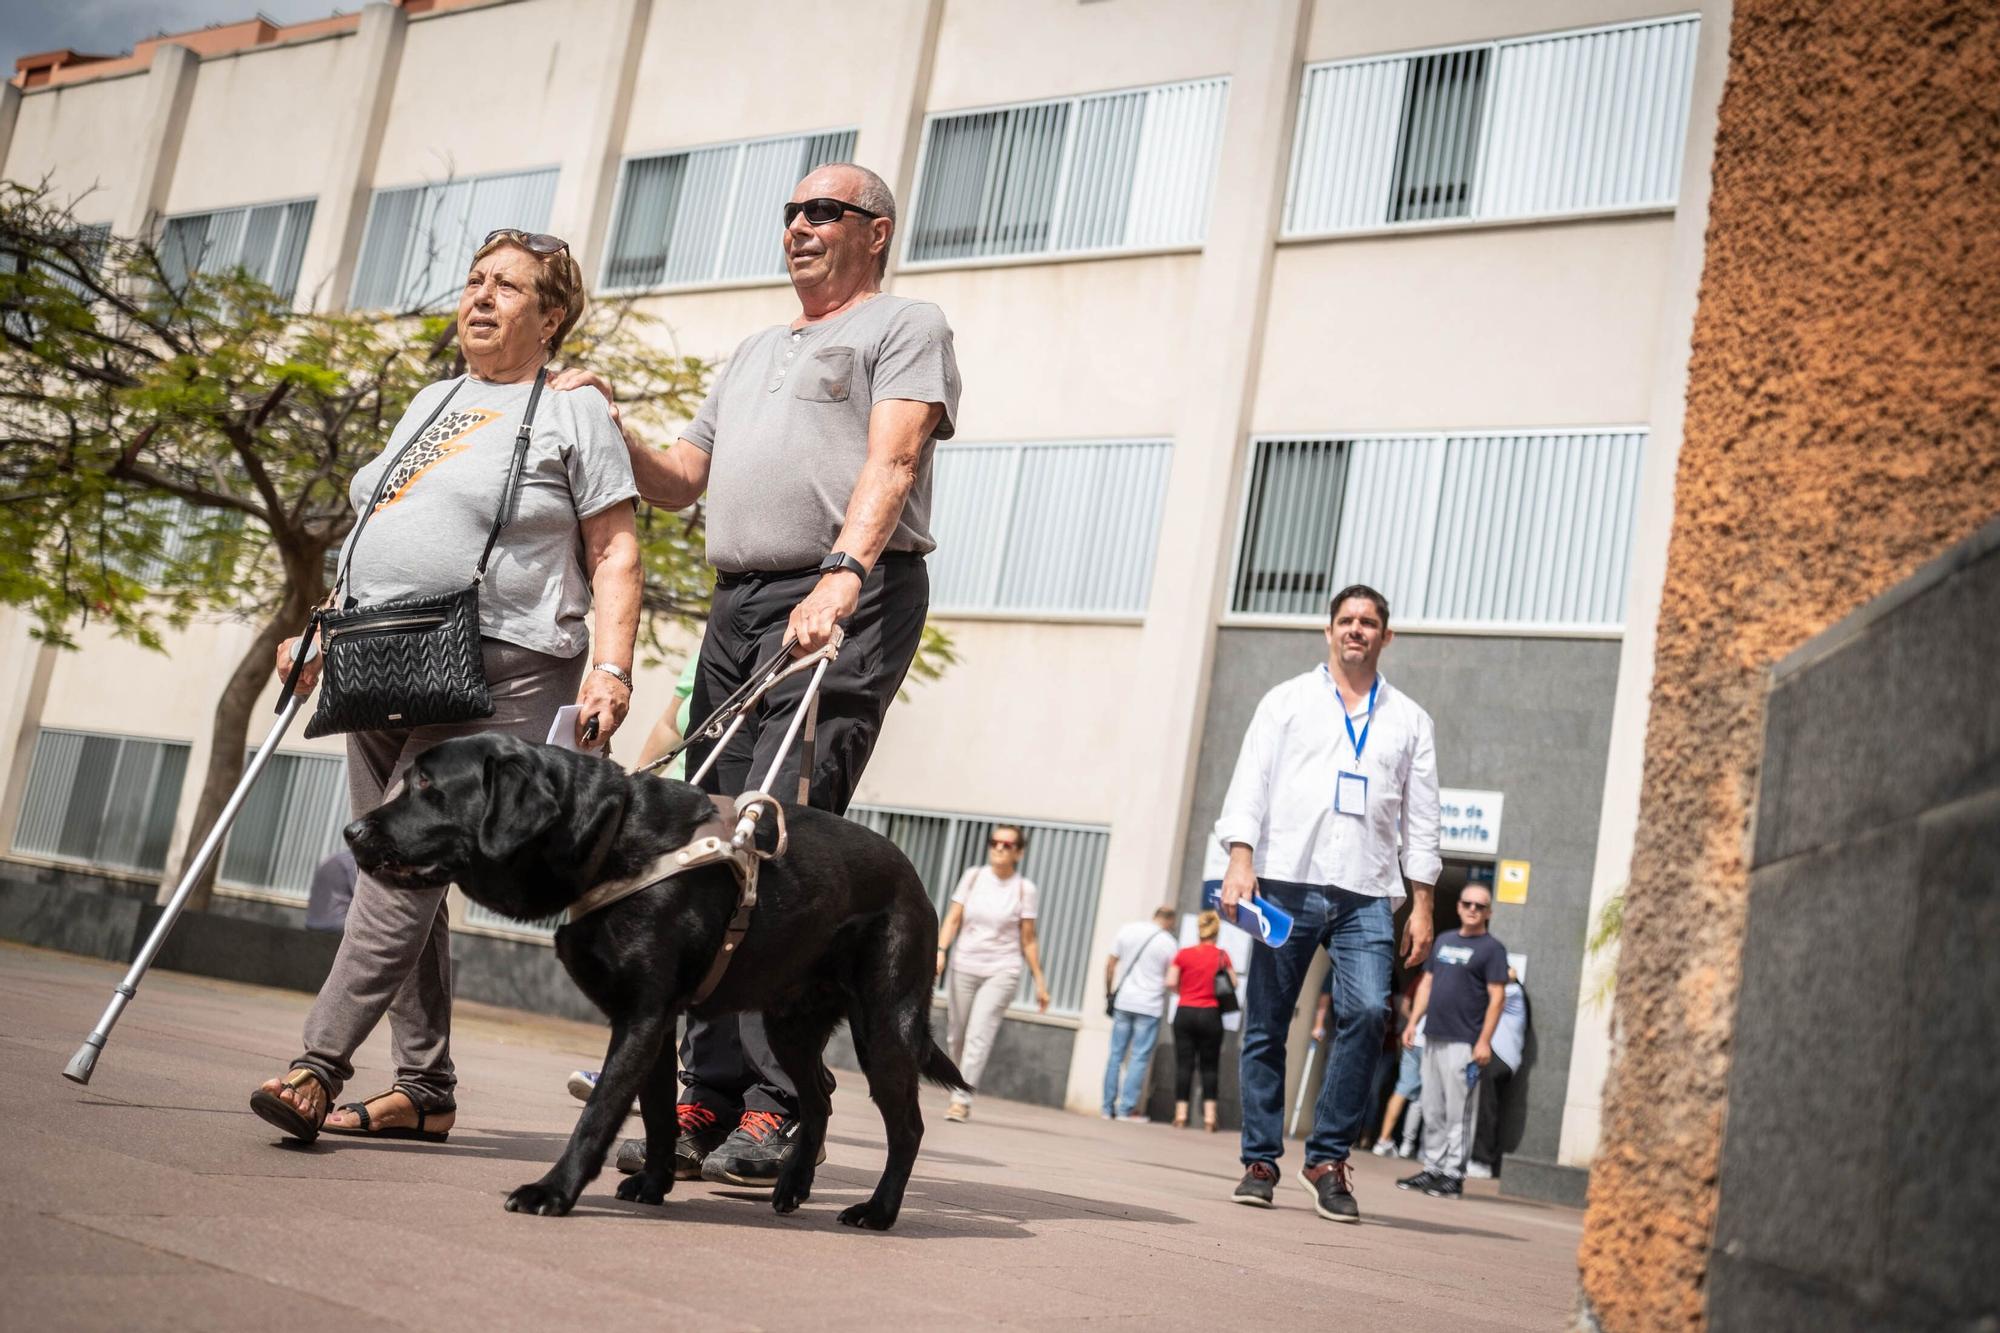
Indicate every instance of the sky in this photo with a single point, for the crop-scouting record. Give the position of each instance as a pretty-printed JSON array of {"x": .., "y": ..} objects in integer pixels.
[{"x": 108, "y": 27}]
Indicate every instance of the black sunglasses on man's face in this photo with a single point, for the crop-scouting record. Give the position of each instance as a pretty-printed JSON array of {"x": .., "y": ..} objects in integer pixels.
[
  {"x": 821, "y": 211},
  {"x": 1474, "y": 904}
]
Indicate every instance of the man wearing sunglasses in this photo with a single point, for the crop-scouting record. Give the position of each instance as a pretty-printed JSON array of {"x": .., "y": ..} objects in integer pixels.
[
  {"x": 814, "y": 452},
  {"x": 1463, "y": 990}
]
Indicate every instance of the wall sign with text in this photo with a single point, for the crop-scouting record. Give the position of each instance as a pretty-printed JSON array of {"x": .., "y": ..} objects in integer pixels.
[{"x": 1470, "y": 820}]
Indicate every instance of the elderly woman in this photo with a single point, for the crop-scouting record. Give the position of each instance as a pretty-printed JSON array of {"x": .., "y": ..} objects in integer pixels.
[{"x": 567, "y": 552}]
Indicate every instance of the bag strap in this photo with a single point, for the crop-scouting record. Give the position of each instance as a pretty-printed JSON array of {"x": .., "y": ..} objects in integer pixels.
[
  {"x": 354, "y": 538},
  {"x": 1133, "y": 966},
  {"x": 501, "y": 517}
]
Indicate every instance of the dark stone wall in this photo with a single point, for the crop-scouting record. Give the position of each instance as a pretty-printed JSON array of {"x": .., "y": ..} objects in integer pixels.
[
  {"x": 1863, "y": 1083},
  {"x": 1530, "y": 717}
]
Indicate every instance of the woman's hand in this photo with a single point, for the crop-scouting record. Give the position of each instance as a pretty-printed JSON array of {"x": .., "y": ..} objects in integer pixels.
[
  {"x": 1041, "y": 997},
  {"x": 308, "y": 678},
  {"x": 940, "y": 964},
  {"x": 603, "y": 697}
]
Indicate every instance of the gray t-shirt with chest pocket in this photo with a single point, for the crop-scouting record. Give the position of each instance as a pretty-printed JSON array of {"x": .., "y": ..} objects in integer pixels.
[{"x": 786, "y": 429}]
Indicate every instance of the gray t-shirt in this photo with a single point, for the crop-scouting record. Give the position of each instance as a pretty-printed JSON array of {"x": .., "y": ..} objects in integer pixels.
[
  {"x": 786, "y": 428},
  {"x": 426, "y": 535}
]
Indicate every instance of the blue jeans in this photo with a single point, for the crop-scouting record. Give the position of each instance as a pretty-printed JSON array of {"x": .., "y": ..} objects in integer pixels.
[
  {"x": 1132, "y": 1035},
  {"x": 1360, "y": 934}
]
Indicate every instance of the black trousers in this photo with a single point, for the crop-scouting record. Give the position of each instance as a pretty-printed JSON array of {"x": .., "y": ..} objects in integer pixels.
[
  {"x": 1197, "y": 1035},
  {"x": 727, "y": 1064},
  {"x": 1486, "y": 1133}
]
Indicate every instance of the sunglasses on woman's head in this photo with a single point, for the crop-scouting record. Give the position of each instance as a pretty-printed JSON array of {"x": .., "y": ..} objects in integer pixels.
[
  {"x": 535, "y": 242},
  {"x": 819, "y": 212}
]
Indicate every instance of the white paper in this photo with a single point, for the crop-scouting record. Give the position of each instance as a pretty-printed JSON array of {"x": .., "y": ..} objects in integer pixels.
[
  {"x": 1350, "y": 794},
  {"x": 562, "y": 732}
]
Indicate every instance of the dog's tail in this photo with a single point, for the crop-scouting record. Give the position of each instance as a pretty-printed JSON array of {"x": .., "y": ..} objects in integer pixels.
[{"x": 939, "y": 1069}]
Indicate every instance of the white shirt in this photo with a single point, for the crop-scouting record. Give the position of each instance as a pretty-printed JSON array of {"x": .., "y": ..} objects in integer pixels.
[
  {"x": 1147, "y": 952},
  {"x": 989, "y": 933},
  {"x": 1510, "y": 1038},
  {"x": 1281, "y": 798}
]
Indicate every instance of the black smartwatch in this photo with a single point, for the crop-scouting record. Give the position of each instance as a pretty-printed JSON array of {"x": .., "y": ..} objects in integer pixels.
[{"x": 840, "y": 560}]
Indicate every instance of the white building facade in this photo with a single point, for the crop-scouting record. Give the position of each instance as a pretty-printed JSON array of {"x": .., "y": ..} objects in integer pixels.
[{"x": 1253, "y": 299}]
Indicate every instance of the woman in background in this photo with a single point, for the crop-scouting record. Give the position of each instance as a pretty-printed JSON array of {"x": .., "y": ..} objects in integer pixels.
[
  {"x": 1198, "y": 1021},
  {"x": 992, "y": 920}
]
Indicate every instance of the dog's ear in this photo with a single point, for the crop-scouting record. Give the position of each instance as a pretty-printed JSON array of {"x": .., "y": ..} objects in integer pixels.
[{"x": 520, "y": 805}]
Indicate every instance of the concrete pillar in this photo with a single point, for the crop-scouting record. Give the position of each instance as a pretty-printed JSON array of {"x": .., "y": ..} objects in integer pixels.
[
  {"x": 1177, "y": 646},
  {"x": 169, "y": 90},
  {"x": 892, "y": 113},
  {"x": 25, "y": 666},
  {"x": 589, "y": 176},
  {"x": 10, "y": 114},
  {"x": 1618, "y": 819},
  {"x": 357, "y": 114}
]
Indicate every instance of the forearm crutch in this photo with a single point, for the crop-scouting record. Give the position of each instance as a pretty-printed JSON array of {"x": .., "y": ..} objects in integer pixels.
[{"x": 85, "y": 1060}]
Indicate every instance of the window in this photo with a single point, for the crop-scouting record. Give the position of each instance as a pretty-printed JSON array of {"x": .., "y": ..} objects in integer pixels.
[
  {"x": 290, "y": 822},
  {"x": 710, "y": 215},
  {"x": 102, "y": 800},
  {"x": 1058, "y": 528},
  {"x": 95, "y": 238},
  {"x": 420, "y": 238},
  {"x": 1530, "y": 529},
  {"x": 1065, "y": 861},
  {"x": 1112, "y": 171},
  {"x": 1572, "y": 123},
  {"x": 268, "y": 242}
]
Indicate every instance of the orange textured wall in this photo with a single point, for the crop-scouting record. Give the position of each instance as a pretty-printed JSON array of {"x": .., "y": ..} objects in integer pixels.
[{"x": 1843, "y": 426}]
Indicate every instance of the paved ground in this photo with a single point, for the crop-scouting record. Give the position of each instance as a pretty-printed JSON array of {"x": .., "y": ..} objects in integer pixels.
[{"x": 154, "y": 1199}]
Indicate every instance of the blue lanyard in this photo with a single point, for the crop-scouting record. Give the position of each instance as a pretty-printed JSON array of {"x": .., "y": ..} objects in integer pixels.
[{"x": 1359, "y": 743}]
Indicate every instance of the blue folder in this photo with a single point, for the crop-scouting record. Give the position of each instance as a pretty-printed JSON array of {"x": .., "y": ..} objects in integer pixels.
[{"x": 1267, "y": 922}]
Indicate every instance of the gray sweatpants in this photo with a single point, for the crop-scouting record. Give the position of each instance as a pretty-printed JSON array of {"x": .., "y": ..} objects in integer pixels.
[
  {"x": 974, "y": 1007},
  {"x": 1448, "y": 1106},
  {"x": 395, "y": 956}
]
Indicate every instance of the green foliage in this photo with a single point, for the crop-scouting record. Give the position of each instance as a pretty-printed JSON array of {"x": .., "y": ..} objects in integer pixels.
[{"x": 1605, "y": 933}]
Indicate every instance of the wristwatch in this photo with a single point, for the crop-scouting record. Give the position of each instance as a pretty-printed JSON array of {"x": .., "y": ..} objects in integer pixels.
[
  {"x": 616, "y": 672},
  {"x": 839, "y": 560}
]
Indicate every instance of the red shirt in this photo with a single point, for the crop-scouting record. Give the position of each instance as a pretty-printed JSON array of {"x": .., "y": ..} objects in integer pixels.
[{"x": 1198, "y": 964}]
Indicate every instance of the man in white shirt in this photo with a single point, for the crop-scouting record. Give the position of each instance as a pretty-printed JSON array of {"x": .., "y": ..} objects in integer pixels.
[
  {"x": 1337, "y": 775},
  {"x": 1135, "y": 979}
]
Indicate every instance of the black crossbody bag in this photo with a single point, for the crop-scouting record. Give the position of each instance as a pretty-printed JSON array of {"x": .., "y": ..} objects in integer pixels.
[{"x": 417, "y": 660}]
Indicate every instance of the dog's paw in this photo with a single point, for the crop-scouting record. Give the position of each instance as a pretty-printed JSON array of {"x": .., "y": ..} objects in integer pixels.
[
  {"x": 789, "y": 1194},
  {"x": 646, "y": 1187},
  {"x": 868, "y": 1217},
  {"x": 537, "y": 1198}
]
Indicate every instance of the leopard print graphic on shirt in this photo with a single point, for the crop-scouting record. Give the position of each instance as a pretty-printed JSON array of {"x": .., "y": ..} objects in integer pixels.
[{"x": 448, "y": 435}]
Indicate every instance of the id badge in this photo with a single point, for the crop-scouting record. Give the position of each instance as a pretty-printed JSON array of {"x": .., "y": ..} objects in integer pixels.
[{"x": 1350, "y": 793}]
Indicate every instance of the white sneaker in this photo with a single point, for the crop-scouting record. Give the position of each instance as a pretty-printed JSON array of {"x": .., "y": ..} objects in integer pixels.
[
  {"x": 958, "y": 1111},
  {"x": 1406, "y": 1151},
  {"x": 1384, "y": 1148},
  {"x": 582, "y": 1083},
  {"x": 1135, "y": 1118},
  {"x": 1478, "y": 1171}
]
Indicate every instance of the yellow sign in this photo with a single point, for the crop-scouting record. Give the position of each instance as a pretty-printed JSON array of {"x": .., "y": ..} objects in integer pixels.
[{"x": 1513, "y": 882}]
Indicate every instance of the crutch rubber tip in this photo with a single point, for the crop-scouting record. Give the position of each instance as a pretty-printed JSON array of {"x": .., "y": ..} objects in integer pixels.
[{"x": 81, "y": 1064}]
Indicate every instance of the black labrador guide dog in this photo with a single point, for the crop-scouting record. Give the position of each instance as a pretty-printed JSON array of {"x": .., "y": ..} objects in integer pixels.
[{"x": 843, "y": 929}]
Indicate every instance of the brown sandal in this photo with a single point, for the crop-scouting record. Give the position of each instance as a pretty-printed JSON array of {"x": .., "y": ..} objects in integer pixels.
[
  {"x": 274, "y": 1109},
  {"x": 366, "y": 1129}
]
